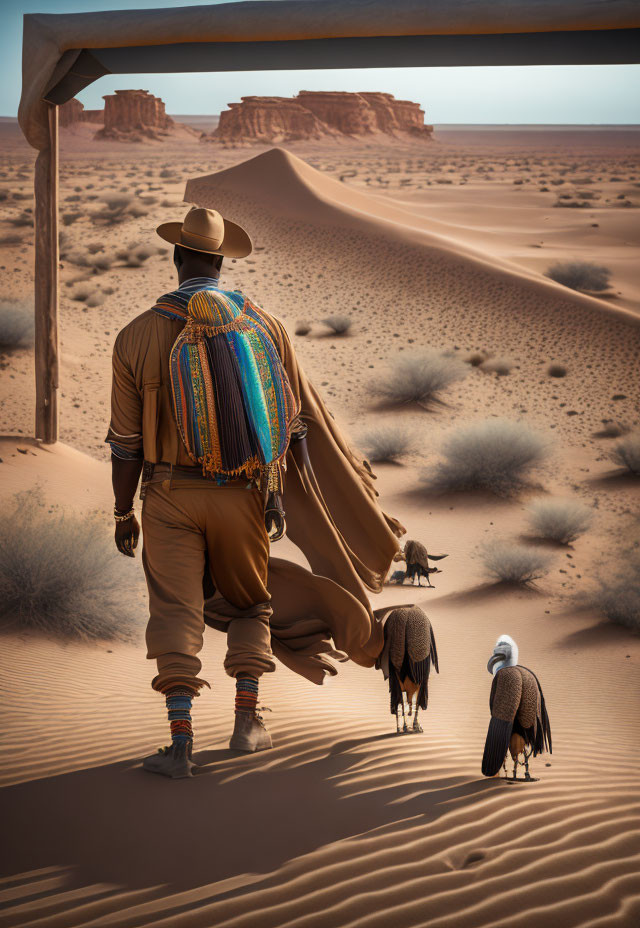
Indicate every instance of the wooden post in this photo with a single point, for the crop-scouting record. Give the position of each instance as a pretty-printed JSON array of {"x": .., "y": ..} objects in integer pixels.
[{"x": 46, "y": 285}]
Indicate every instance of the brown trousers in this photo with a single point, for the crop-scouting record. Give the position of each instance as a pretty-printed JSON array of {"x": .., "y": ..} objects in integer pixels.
[{"x": 184, "y": 529}]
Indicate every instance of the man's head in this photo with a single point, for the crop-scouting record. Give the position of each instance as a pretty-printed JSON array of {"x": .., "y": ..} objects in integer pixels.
[
  {"x": 201, "y": 240},
  {"x": 191, "y": 263}
]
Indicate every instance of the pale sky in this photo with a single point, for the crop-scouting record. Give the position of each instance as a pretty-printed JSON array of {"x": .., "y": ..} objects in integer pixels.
[{"x": 565, "y": 94}]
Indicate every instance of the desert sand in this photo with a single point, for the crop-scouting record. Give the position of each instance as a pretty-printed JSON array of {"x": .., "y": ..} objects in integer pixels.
[{"x": 344, "y": 823}]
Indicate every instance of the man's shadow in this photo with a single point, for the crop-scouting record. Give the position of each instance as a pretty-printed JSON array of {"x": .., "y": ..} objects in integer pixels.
[{"x": 240, "y": 814}]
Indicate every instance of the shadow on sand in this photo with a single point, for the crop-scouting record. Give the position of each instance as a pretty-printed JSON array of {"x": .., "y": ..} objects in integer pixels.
[{"x": 240, "y": 815}]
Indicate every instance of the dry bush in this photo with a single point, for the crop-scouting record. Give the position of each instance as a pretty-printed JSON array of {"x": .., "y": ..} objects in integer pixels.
[
  {"x": 611, "y": 429},
  {"x": 618, "y": 597},
  {"x": 12, "y": 238},
  {"x": 135, "y": 255},
  {"x": 627, "y": 453},
  {"x": 387, "y": 443},
  {"x": 84, "y": 292},
  {"x": 557, "y": 370},
  {"x": 496, "y": 455},
  {"x": 339, "y": 325},
  {"x": 476, "y": 358},
  {"x": 302, "y": 328},
  {"x": 69, "y": 218},
  {"x": 580, "y": 275},
  {"x": 561, "y": 520},
  {"x": 508, "y": 562},
  {"x": 420, "y": 378},
  {"x": 62, "y": 575},
  {"x": 117, "y": 208},
  {"x": 16, "y": 324},
  {"x": 24, "y": 220},
  {"x": 499, "y": 366}
]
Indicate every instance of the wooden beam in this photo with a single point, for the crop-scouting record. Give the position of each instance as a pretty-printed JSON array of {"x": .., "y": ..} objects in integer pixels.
[{"x": 46, "y": 285}]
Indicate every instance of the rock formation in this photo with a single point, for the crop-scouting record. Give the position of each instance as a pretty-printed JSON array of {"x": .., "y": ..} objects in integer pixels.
[
  {"x": 134, "y": 115},
  {"x": 317, "y": 115},
  {"x": 269, "y": 119},
  {"x": 73, "y": 112}
]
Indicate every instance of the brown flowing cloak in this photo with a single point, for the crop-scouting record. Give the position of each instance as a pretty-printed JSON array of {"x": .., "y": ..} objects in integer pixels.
[{"x": 333, "y": 516}]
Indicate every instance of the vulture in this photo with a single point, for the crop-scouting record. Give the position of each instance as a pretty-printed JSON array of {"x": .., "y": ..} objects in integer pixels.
[
  {"x": 417, "y": 559},
  {"x": 406, "y": 658},
  {"x": 519, "y": 720}
]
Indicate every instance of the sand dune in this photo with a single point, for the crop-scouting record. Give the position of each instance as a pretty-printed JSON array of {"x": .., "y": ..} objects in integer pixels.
[{"x": 349, "y": 823}]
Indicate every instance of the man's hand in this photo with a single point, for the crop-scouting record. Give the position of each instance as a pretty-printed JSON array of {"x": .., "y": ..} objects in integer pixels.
[
  {"x": 127, "y": 535},
  {"x": 274, "y": 517}
]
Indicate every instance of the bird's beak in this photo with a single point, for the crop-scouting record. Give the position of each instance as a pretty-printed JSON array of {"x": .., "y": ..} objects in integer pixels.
[
  {"x": 399, "y": 556},
  {"x": 495, "y": 658}
]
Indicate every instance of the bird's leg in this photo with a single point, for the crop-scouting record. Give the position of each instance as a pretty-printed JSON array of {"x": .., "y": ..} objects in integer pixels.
[
  {"x": 404, "y": 719},
  {"x": 515, "y": 767},
  {"x": 398, "y": 719},
  {"x": 504, "y": 766},
  {"x": 409, "y": 704},
  {"x": 416, "y": 724},
  {"x": 527, "y": 775}
]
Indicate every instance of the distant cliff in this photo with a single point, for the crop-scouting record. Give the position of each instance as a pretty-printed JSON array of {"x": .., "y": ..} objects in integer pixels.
[
  {"x": 317, "y": 115},
  {"x": 134, "y": 115}
]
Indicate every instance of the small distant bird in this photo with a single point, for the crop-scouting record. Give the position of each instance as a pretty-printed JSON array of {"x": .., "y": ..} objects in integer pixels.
[
  {"x": 417, "y": 559},
  {"x": 519, "y": 721},
  {"x": 406, "y": 658}
]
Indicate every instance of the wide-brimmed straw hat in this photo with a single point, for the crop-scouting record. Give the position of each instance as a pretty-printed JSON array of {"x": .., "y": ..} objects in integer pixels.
[{"x": 205, "y": 230}]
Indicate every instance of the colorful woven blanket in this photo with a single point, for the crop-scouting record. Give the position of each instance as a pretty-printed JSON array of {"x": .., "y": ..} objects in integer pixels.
[{"x": 232, "y": 399}]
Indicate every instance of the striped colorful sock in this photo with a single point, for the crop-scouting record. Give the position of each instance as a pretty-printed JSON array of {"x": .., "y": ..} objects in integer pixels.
[
  {"x": 246, "y": 694},
  {"x": 179, "y": 710}
]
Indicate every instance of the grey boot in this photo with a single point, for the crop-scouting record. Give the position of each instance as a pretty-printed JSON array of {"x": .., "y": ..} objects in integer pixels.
[
  {"x": 173, "y": 761},
  {"x": 249, "y": 733}
]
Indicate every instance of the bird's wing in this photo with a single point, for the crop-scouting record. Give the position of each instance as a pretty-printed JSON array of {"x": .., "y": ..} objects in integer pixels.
[
  {"x": 543, "y": 733},
  {"x": 504, "y": 701},
  {"x": 433, "y": 652}
]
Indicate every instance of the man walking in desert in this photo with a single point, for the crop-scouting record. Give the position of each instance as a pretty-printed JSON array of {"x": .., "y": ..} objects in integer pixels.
[
  {"x": 210, "y": 405},
  {"x": 201, "y": 399}
]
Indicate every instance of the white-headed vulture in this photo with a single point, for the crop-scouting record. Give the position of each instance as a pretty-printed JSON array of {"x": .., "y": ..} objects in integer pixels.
[{"x": 519, "y": 720}]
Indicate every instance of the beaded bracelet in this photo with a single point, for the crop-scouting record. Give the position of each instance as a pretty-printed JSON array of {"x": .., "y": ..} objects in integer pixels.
[{"x": 123, "y": 518}]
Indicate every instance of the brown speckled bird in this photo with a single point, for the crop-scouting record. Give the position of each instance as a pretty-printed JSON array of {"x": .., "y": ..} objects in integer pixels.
[
  {"x": 519, "y": 721},
  {"x": 416, "y": 557},
  {"x": 406, "y": 658}
]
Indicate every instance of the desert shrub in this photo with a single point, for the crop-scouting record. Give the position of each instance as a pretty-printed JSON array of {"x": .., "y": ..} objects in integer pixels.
[
  {"x": 387, "y": 444},
  {"x": 496, "y": 455},
  {"x": 508, "y": 562},
  {"x": 16, "y": 324},
  {"x": 476, "y": 358},
  {"x": 24, "y": 220},
  {"x": 61, "y": 574},
  {"x": 618, "y": 596},
  {"x": 627, "y": 453},
  {"x": 420, "y": 378},
  {"x": 135, "y": 255},
  {"x": 69, "y": 218},
  {"x": 557, "y": 370},
  {"x": 339, "y": 325},
  {"x": 499, "y": 366},
  {"x": 12, "y": 238},
  {"x": 561, "y": 520},
  {"x": 302, "y": 328},
  {"x": 611, "y": 429},
  {"x": 117, "y": 208},
  {"x": 580, "y": 275},
  {"x": 86, "y": 293}
]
